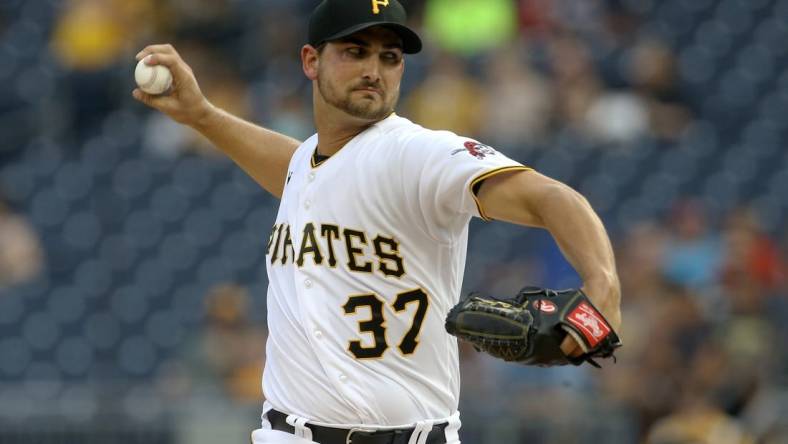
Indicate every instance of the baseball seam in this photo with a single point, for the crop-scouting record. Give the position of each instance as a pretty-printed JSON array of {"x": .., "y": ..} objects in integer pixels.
[{"x": 153, "y": 76}]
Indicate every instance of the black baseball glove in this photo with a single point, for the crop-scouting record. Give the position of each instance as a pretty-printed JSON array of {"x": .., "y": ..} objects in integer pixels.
[{"x": 530, "y": 327}]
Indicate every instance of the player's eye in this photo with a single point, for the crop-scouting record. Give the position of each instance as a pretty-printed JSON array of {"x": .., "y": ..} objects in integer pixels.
[
  {"x": 355, "y": 51},
  {"x": 391, "y": 57}
]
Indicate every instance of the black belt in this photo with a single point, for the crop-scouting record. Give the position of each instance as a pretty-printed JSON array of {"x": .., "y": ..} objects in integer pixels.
[{"x": 331, "y": 435}]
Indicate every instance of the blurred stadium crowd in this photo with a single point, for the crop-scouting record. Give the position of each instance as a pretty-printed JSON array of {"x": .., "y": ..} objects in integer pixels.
[{"x": 132, "y": 282}]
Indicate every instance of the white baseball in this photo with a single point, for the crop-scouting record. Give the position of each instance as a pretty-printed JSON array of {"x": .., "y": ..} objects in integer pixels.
[{"x": 154, "y": 79}]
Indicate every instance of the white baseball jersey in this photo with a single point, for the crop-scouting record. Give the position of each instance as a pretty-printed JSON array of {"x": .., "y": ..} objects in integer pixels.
[{"x": 364, "y": 262}]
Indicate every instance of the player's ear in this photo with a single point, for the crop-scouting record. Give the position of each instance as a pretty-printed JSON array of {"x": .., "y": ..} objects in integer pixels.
[{"x": 310, "y": 60}]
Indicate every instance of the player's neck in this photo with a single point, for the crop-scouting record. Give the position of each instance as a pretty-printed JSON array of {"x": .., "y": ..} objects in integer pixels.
[{"x": 336, "y": 129}]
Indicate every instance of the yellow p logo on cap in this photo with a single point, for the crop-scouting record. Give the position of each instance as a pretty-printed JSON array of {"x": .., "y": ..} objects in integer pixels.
[{"x": 376, "y": 3}]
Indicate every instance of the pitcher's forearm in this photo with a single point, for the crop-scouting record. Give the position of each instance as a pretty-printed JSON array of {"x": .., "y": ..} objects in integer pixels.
[
  {"x": 580, "y": 235},
  {"x": 262, "y": 153}
]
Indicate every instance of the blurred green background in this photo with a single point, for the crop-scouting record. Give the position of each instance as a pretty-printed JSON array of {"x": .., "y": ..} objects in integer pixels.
[{"x": 132, "y": 281}]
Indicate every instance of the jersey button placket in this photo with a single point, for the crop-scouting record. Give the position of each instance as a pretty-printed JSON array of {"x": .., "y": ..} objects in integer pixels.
[{"x": 310, "y": 178}]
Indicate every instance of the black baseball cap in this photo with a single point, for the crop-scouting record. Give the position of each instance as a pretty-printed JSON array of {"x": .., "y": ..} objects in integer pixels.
[{"x": 334, "y": 19}]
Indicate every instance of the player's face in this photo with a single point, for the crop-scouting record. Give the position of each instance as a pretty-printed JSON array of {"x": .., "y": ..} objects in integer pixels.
[{"x": 361, "y": 74}]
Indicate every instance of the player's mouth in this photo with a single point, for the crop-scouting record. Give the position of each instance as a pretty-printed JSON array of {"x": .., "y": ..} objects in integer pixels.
[{"x": 370, "y": 89}]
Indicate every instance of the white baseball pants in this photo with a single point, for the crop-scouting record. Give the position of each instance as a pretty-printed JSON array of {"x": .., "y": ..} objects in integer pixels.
[{"x": 303, "y": 435}]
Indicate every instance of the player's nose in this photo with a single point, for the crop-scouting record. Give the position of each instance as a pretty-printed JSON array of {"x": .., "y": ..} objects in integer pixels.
[{"x": 372, "y": 69}]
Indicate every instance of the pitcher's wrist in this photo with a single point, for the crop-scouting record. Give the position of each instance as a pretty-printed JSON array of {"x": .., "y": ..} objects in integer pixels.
[{"x": 205, "y": 117}]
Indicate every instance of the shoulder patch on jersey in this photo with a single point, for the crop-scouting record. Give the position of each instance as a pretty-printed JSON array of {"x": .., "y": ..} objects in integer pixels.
[{"x": 476, "y": 149}]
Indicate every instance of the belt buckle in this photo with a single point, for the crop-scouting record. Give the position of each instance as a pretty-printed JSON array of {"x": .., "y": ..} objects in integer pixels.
[{"x": 349, "y": 438}]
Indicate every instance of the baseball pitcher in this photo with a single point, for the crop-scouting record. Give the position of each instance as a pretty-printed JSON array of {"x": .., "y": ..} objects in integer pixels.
[{"x": 365, "y": 259}]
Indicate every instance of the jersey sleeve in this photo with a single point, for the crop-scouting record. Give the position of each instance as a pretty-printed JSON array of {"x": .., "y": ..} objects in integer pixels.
[{"x": 452, "y": 167}]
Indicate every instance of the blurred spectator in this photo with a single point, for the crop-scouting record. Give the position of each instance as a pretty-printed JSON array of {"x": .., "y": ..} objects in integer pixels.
[
  {"x": 21, "y": 255},
  {"x": 576, "y": 82},
  {"x": 652, "y": 70},
  {"x": 448, "y": 98},
  {"x": 753, "y": 281},
  {"x": 752, "y": 264},
  {"x": 92, "y": 35},
  {"x": 468, "y": 27},
  {"x": 534, "y": 17},
  {"x": 693, "y": 252},
  {"x": 699, "y": 424},
  {"x": 230, "y": 347},
  {"x": 586, "y": 17},
  {"x": 518, "y": 99}
]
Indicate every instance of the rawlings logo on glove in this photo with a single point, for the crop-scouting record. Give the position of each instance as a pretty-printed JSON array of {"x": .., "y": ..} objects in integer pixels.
[{"x": 530, "y": 327}]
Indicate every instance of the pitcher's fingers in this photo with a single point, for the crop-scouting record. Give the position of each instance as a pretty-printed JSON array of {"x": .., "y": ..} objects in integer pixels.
[
  {"x": 143, "y": 97},
  {"x": 164, "y": 48},
  {"x": 177, "y": 66},
  {"x": 164, "y": 103},
  {"x": 570, "y": 347},
  {"x": 152, "y": 100}
]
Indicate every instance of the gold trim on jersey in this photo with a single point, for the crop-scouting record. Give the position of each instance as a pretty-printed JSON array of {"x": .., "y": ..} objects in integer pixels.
[
  {"x": 487, "y": 175},
  {"x": 313, "y": 159}
]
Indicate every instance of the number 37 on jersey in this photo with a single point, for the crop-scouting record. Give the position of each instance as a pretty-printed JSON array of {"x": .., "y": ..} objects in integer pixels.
[{"x": 376, "y": 324}]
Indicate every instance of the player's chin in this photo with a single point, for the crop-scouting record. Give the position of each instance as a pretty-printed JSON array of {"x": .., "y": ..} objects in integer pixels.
[
  {"x": 369, "y": 103},
  {"x": 368, "y": 110}
]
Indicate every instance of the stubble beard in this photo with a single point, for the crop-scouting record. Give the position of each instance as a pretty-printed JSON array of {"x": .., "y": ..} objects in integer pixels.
[{"x": 360, "y": 108}]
